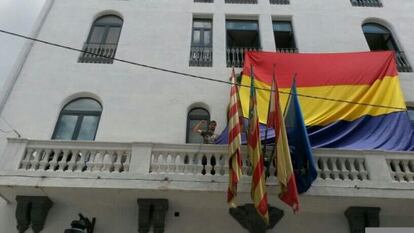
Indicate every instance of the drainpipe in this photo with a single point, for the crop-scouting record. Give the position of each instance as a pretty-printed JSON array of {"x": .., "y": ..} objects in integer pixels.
[{"x": 23, "y": 54}]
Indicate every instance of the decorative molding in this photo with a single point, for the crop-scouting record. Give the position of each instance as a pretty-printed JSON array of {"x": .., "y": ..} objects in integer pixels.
[{"x": 249, "y": 219}]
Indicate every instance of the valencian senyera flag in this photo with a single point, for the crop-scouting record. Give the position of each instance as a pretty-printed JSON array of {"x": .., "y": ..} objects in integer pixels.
[
  {"x": 258, "y": 189},
  {"x": 348, "y": 100},
  {"x": 285, "y": 173},
  {"x": 300, "y": 150},
  {"x": 234, "y": 139}
]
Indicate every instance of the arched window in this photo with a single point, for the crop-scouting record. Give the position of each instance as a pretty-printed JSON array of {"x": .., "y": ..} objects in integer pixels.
[
  {"x": 379, "y": 38},
  {"x": 102, "y": 40},
  {"x": 78, "y": 120},
  {"x": 195, "y": 115}
]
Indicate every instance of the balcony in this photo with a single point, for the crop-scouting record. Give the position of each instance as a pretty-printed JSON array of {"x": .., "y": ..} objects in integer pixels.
[
  {"x": 235, "y": 55},
  {"x": 204, "y": 1},
  {"x": 287, "y": 50},
  {"x": 192, "y": 167},
  {"x": 366, "y": 3},
  {"x": 98, "y": 53},
  {"x": 402, "y": 63},
  {"x": 201, "y": 56},
  {"x": 280, "y": 2}
]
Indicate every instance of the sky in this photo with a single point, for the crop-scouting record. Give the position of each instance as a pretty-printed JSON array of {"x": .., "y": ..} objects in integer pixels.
[{"x": 16, "y": 16}]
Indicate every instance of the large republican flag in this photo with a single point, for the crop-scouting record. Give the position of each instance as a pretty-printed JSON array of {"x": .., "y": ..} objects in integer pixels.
[
  {"x": 348, "y": 100},
  {"x": 258, "y": 189}
]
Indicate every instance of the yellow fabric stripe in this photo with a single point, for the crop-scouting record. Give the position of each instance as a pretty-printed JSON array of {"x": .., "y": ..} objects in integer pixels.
[{"x": 386, "y": 92}]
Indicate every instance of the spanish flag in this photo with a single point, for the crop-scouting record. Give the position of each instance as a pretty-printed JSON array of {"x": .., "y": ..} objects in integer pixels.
[
  {"x": 285, "y": 173},
  {"x": 258, "y": 190},
  {"x": 348, "y": 100}
]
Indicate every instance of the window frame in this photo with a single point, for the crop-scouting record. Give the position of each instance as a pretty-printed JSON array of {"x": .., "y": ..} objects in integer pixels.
[
  {"x": 188, "y": 128},
  {"x": 80, "y": 115},
  {"x": 290, "y": 33},
  {"x": 107, "y": 27},
  {"x": 202, "y": 31}
]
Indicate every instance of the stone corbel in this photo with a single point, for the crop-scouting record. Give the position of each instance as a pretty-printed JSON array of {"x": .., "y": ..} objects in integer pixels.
[
  {"x": 152, "y": 213},
  {"x": 249, "y": 219},
  {"x": 361, "y": 217},
  {"x": 32, "y": 210}
]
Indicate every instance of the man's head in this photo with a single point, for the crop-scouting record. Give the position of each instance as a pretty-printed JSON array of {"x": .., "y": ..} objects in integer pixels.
[{"x": 212, "y": 125}]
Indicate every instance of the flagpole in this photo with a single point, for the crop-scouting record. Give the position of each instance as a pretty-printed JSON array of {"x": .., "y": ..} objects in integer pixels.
[
  {"x": 269, "y": 161},
  {"x": 290, "y": 94}
]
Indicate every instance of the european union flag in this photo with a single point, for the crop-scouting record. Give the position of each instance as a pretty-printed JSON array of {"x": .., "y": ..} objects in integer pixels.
[{"x": 300, "y": 150}]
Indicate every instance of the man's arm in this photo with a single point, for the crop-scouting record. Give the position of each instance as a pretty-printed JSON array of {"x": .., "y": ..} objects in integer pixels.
[{"x": 196, "y": 128}]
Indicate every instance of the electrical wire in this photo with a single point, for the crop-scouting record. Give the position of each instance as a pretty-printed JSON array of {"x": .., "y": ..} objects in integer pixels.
[
  {"x": 11, "y": 127},
  {"x": 187, "y": 74}
]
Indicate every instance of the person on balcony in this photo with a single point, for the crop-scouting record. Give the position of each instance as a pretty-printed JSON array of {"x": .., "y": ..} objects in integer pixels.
[{"x": 208, "y": 135}]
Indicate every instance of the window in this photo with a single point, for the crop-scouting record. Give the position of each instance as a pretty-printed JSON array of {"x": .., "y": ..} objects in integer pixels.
[
  {"x": 78, "y": 120},
  {"x": 373, "y": 3},
  {"x": 242, "y": 36},
  {"x": 102, "y": 41},
  {"x": 280, "y": 2},
  {"x": 194, "y": 116},
  {"x": 241, "y": 1},
  {"x": 379, "y": 38},
  {"x": 410, "y": 111},
  {"x": 284, "y": 39},
  {"x": 201, "y": 43}
]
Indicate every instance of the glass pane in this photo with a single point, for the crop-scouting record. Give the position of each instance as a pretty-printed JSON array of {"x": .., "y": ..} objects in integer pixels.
[
  {"x": 207, "y": 38},
  {"x": 196, "y": 37},
  {"x": 242, "y": 25},
  {"x": 195, "y": 137},
  {"x": 88, "y": 128},
  {"x": 84, "y": 105},
  {"x": 282, "y": 26},
  {"x": 110, "y": 19},
  {"x": 199, "y": 113},
  {"x": 202, "y": 24},
  {"x": 65, "y": 127},
  {"x": 113, "y": 35},
  {"x": 374, "y": 28},
  {"x": 96, "y": 34}
]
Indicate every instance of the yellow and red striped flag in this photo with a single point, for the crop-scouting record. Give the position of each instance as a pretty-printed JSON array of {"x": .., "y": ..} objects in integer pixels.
[
  {"x": 234, "y": 136},
  {"x": 258, "y": 190},
  {"x": 285, "y": 174}
]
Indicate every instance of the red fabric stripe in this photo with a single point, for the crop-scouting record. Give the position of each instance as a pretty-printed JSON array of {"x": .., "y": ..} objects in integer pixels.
[
  {"x": 290, "y": 195},
  {"x": 258, "y": 172},
  {"x": 262, "y": 207},
  {"x": 234, "y": 132},
  {"x": 321, "y": 69},
  {"x": 233, "y": 110}
]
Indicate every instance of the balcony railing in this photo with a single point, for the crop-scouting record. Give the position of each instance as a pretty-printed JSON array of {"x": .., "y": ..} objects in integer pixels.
[
  {"x": 402, "y": 63},
  {"x": 201, "y": 56},
  {"x": 280, "y": 2},
  {"x": 235, "y": 55},
  {"x": 287, "y": 50},
  {"x": 241, "y": 1},
  {"x": 98, "y": 53},
  {"x": 367, "y": 3},
  {"x": 205, "y": 1},
  {"x": 194, "y": 162}
]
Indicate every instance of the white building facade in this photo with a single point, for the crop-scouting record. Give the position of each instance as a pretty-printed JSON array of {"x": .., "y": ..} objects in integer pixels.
[{"x": 138, "y": 125}]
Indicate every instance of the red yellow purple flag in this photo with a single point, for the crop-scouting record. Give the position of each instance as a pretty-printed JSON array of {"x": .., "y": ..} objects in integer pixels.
[
  {"x": 234, "y": 139},
  {"x": 258, "y": 190},
  {"x": 285, "y": 174}
]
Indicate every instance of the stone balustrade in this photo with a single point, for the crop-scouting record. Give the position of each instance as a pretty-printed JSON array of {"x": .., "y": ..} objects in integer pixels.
[{"x": 194, "y": 162}]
